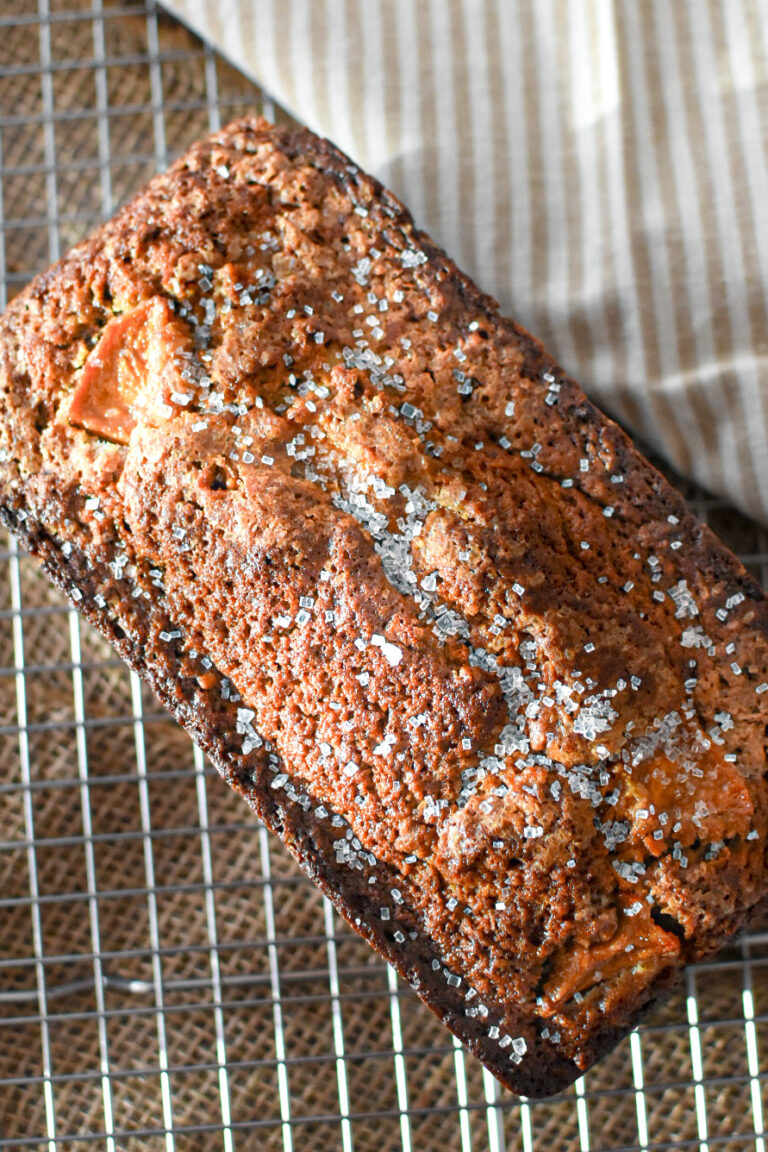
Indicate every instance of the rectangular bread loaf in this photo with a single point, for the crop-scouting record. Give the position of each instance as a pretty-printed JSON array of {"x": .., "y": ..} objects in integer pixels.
[{"x": 424, "y": 606}]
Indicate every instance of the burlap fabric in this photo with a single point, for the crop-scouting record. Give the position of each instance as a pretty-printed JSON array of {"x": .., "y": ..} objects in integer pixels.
[{"x": 172, "y": 1006}]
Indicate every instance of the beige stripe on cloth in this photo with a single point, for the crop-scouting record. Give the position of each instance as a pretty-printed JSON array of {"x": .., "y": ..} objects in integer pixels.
[{"x": 600, "y": 166}]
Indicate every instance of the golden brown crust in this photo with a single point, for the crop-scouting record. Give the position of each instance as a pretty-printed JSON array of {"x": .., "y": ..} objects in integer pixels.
[{"x": 427, "y": 609}]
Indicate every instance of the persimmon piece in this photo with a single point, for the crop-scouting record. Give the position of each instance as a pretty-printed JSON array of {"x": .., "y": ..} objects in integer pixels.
[
  {"x": 637, "y": 941},
  {"x": 124, "y": 372},
  {"x": 715, "y": 805}
]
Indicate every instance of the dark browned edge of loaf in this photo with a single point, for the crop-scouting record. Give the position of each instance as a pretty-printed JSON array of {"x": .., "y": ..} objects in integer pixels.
[{"x": 211, "y": 723}]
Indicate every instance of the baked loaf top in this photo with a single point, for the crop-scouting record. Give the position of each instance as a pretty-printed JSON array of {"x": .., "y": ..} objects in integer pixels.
[{"x": 423, "y": 604}]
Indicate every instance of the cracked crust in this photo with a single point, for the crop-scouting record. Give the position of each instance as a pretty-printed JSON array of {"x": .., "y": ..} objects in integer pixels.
[{"x": 422, "y": 604}]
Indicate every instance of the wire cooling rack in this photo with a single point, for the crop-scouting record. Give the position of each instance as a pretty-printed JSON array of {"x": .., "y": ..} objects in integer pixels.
[{"x": 168, "y": 979}]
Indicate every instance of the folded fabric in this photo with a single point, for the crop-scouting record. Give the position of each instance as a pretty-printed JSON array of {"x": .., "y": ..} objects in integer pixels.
[{"x": 600, "y": 166}]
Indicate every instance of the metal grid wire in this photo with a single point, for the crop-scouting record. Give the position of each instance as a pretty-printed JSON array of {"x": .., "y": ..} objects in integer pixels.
[{"x": 168, "y": 979}]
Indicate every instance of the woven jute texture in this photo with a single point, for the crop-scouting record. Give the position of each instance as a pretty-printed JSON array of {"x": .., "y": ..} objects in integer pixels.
[{"x": 174, "y": 862}]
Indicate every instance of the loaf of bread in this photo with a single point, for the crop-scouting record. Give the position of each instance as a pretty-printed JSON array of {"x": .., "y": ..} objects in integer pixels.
[{"x": 424, "y": 606}]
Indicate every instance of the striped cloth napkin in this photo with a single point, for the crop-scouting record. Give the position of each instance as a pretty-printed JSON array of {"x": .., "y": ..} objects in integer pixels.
[{"x": 600, "y": 166}]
